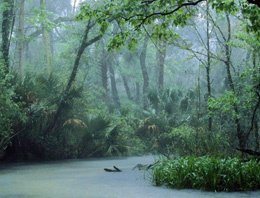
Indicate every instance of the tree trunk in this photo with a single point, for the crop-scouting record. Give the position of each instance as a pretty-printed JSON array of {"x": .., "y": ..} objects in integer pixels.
[
  {"x": 52, "y": 42},
  {"x": 241, "y": 137},
  {"x": 256, "y": 134},
  {"x": 127, "y": 89},
  {"x": 104, "y": 71},
  {"x": 137, "y": 92},
  {"x": 21, "y": 36},
  {"x": 208, "y": 68},
  {"x": 113, "y": 87},
  {"x": 47, "y": 42},
  {"x": 145, "y": 73},
  {"x": 256, "y": 128},
  {"x": 8, "y": 17},
  {"x": 160, "y": 61}
]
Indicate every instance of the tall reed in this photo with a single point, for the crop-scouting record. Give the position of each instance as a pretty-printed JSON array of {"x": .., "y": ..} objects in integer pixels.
[{"x": 206, "y": 173}]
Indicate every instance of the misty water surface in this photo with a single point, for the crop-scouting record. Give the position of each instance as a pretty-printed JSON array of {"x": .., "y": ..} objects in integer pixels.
[{"x": 87, "y": 179}]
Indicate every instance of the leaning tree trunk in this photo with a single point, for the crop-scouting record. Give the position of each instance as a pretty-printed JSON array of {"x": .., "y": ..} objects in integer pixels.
[
  {"x": 7, "y": 22},
  {"x": 47, "y": 42},
  {"x": 85, "y": 43},
  {"x": 145, "y": 73},
  {"x": 21, "y": 36}
]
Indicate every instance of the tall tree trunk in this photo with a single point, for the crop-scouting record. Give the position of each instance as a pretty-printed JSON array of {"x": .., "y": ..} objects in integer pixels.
[
  {"x": 104, "y": 72},
  {"x": 47, "y": 42},
  {"x": 127, "y": 89},
  {"x": 160, "y": 61},
  {"x": 256, "y": 133},
  {"x": 21, "y": 36},
  {"x": 137, "y": 92},
  {"x": 241, "y": 137},
  {"x": 7, "y": 21},
  {"x": 52, "y": 42},
  {"x": 256, "y": 127},
  {"x": 114, "y": 87},
  {"x": 145, "y": 73},
  {"x": 27, "y": 51},
  {"x": 198, "y": 109},
  {"x": 208, "y": 68}
]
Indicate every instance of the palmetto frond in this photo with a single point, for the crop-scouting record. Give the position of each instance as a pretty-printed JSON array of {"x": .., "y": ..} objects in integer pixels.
[{"x": 76, "y": 123}]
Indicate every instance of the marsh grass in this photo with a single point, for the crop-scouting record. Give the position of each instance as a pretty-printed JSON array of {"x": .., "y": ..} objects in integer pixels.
[{"x": 206, "y": 173}]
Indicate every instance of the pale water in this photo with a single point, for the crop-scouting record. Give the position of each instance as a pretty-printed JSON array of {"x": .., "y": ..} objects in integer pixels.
[{"x": 87, "y": 179}]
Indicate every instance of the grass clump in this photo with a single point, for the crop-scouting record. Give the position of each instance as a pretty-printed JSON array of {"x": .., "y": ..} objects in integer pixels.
[{"x": 207, "y": 173}]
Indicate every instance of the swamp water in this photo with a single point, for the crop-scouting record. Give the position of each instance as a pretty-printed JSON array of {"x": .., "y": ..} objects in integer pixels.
[{"x": 87, "y": 179}]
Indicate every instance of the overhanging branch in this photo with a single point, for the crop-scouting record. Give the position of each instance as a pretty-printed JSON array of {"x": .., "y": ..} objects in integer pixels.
[{"x": 143, "y": 17}]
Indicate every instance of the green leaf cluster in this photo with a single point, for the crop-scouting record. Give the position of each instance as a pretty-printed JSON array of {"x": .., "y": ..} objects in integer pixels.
[
  {"x": 225, "y": 103},
  {"x": 206, "y": 173}
]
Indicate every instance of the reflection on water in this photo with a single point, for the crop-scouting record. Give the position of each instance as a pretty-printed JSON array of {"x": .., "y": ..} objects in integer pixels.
[{"x": 87, "y": 179}]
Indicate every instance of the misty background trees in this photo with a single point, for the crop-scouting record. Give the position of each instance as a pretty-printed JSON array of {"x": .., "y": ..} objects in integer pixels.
[{"x": 103, "y": 78}]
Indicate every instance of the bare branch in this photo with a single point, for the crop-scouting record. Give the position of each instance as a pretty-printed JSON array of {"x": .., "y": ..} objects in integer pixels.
[
  {"x": 148, "y": 2},
  {"x": 172, "y": 11},
  {"x": 215, "y": 25}
]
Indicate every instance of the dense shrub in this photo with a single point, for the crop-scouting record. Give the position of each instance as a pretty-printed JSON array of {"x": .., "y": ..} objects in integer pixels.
[
  {"x": 187, "y": 140},
  {"x": 208, "y": 174},
  {"x": 11, "y": 113}
]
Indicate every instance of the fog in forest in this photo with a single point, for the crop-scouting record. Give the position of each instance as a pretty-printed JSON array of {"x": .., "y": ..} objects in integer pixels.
[{"x": 175, "y": 81}]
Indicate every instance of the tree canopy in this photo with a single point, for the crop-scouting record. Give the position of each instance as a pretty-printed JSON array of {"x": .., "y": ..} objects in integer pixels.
[{"x": 138, "y": 15}]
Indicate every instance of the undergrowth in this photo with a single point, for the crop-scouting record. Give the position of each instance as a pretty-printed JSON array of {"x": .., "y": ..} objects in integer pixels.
[{"x": 207, "y": 173}]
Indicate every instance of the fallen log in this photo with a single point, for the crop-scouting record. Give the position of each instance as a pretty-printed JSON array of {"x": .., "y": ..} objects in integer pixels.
[
  {"x": 119, "y": 170},
  {"x": 113, "y": 170}
]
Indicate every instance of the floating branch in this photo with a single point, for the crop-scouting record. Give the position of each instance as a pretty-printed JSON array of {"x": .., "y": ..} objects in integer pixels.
[{"x": 113, "y": 170}]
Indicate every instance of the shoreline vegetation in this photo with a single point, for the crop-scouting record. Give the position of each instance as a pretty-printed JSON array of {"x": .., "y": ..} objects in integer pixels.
[{"x": 208, "y": 173}]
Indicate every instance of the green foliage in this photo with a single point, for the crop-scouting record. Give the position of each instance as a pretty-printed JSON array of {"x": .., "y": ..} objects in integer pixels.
[
  {"x": 11, "y": 112},
  {"x": 250, "y": 12},
  {"x": 253, "y": 14},
  {"x": 118, "y": 41},
  {"x": 207, "y": 174},
  {"x": 166, "y": 100},
  {"x": 106, "y": 135},
  {"x": 247, "y": 99},
  {"x": 41, "y": 18},
  {"x": 132, "y": 16},
  {"x": 27, "y": 108},
  {"x": 186, "y": 140},
  {"x": 225, "y": 104},
  {"x": 228, "y": 5}
]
